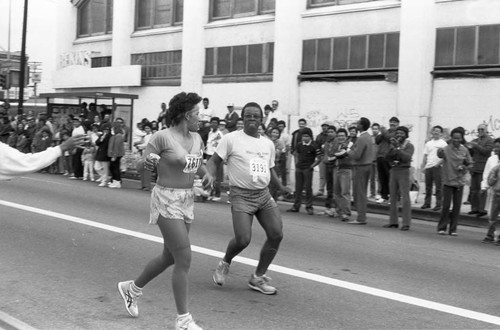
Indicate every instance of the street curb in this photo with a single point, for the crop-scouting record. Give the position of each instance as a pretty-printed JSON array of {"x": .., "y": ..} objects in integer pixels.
[{"x": 416, "y": 213}]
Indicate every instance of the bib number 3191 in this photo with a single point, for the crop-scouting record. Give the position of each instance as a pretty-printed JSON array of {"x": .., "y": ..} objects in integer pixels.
[{"x": 258, "y": 168}]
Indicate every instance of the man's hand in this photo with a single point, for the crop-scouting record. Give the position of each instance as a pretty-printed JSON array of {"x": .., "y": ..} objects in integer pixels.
[
  {"x": 285, "y": 190},
  {"x": 73, "y": 142},
  {"x": 208, "y": 181}
]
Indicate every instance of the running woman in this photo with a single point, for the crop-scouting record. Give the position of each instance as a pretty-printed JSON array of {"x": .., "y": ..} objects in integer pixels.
[
  {"x": 172, "y": 202},
  {"x": 250, "y": 163}
]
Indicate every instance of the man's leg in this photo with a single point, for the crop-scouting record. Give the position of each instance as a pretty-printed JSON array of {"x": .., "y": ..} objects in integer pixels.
[
  {"x": 308, "y": 177},
  {"x": 475, "y": 188},
  {"x": 457, "y": 203},
  {"x": 242, "y": 226},
  {"x": 322, "y": 181},
  {"x": 445, "y": 210},
  {"x": 428, "y": 186},
  {"x": 299, "y": 186},
  {"x": 270, "y": 220},
  {"x": 439, "y": 185}
]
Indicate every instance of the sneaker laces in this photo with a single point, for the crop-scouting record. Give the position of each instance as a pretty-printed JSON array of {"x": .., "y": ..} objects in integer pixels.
[
  {"x": 223, "y": 267},
  {"x": 263, "y": 278}
]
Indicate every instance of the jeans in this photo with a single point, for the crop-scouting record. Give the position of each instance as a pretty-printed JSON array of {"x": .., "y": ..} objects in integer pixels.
[
  {"x": 303, "y": 181},
  {"x": 450, "y": 193},
  {"x": 114, "y": 167},
  {"x": 383, "y": 169},
  {"x": 329, "y": 179},
  {"x": 88, "y": 170},
  {"x": 495, "y": 209},
  {"x": 361, "y": 179},
  {"x": 400, "y": 185},
  {"x": 478, "y": 198},
  {"x": 342, "y": 190},
  {"x": 322, "y": 178},
  {"x": 433, "y": 176}
]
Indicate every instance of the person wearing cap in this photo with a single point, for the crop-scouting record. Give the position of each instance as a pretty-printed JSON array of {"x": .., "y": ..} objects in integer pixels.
[
  {"x": 383, "y": 140},
  {"x": 231, "y": 118},
  {"x": 456, "y": 162},
  {"x": 399, "y": 156},
  {"x": 320, "y": 141},
  {"x": 480, "y": 149},
  {"x": 361, "y": 155},
  {"x": 223, "y": 127},
  {"x": 102, "y": 160},
  {"x": 308, "y": 155},
  {"x": 432, "y": 167}
]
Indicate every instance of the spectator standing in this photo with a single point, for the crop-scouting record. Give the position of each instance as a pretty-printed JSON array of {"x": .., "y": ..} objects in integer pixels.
[
  {"x": 162, "y": 117},
  {"x": 399, "y": 156},
  {"x": 67, "y": 155},
  {"x": 287, "y": 141},
  {"x": 231, "y": 118},
  {"x": 240, "y": 125},
  {"x": 342, "y": 175},
  {"x": 214, "y": 138},
  {"x": 383, "y": 167},
  {"x": 116, "y": 150},
  {"x": 267, "y": 115},
  {"x": 480, "y": 149},
  {"x": 5, "y": 129},
  {"x": 77, "y": 152},
  {"x": 432, "y": 167},
  {"x": 456, "y": 161},
  {"x": 102, "y": 158},
  {"x": 362, "y": 157},
  {"x": 88, "y": 159},
  {"x": 205, "y": 117},
  {"x": 144, "y": 173},
  {"x": 308, "y": 156},
  {"x": 297, "y": 136},
  {"x": 279, "y": 148},
  {"x": 374, "y": 191},
  {"x": 222, "y": 127},
  {"x": 329, "y": 148},
  {"x": 320, "y": 141},
  {"x": 491, "y": 188}
]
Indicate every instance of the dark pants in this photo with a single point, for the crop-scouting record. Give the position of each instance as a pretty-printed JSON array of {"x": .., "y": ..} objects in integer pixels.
[
  {"x": 433, "y": 176},
  {"x": 383, "y": 168},
  {"x": 495, "y": 209},
  {"x": 400, "y": 186},
  {"x": 361, "y": 179},
  {"x": 114, "y": 168},
  {"x": 450, "y": 193},
  {"x": 77, "y": 163},
  {"x": 373, "y": 180},
  {"x": 477, "y": 197},
  {"x": 282, "y": 168},
  {"x": 329, "y": 174},
  {"x": 303, "y": 181}
]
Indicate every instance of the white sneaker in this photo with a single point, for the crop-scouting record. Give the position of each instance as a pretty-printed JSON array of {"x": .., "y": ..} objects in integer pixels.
[
  {"x": 261, "y": 284},
  {"x": 85, "y": 179},
  {"x": 186, "y": 323},
  {"x": 115, "y": 185},
  {"x": 221, "y": 272},
  {"x": 129, "y": 298},
  {"x": 216, "y": 199},
  {"x": 102, "y": 184}
]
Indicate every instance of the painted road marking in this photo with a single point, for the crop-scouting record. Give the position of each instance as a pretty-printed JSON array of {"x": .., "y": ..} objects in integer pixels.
[
  {"x": 12, "y": 322},
  {"x": 487, "y": 318}
]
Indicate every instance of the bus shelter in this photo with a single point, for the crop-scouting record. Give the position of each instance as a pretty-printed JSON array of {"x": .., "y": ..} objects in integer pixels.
[{"x": 61, "y": 105}]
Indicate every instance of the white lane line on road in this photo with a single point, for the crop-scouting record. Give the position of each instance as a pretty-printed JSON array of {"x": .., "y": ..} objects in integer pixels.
[
  {"x": 13, "y": 322},
  {"x": 492, "y": 319}
]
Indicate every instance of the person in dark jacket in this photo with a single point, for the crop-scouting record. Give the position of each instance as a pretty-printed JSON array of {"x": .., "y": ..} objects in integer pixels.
[{"x": 101, "y": 158}]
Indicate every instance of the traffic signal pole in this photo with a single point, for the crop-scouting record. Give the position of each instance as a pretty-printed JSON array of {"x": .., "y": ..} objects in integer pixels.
[{"x": 22, "y": 68}]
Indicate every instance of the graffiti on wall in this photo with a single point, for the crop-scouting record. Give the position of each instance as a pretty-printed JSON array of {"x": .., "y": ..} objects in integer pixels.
[{"x": 343, "y": 119}]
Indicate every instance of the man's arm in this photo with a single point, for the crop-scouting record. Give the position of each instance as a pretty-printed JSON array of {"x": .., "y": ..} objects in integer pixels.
[{"x": 213, "y": 163}]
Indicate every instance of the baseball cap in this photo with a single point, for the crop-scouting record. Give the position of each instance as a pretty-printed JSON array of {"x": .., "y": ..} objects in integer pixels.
[
  {"x": 394, "y": 119},
  {"x": 222, "y": 122},
  {"x": 230, "y": 104}
]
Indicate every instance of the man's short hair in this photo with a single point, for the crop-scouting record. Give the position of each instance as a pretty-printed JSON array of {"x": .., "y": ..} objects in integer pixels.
[
  {"x": 217, "y": 119},
  {"x": 281, "y": 122},
  {"x": 252, "y": 104},
  {"x": 206, "y": 99},
  {"x": 342, "y": 130},
  {"x": 438, "y": 127},
  {"x": 365, "y": 123},
  {"x": 303, "y": 120},
  {"x": 376, "y": 124}
]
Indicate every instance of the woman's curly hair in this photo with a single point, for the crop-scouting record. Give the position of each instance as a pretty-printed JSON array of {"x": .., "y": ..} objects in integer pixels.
[{"x": 179, "y": 105}]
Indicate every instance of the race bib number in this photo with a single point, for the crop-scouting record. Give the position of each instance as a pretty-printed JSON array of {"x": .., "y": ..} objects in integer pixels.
[
  {"x": 193, "y": 162},
  {"x": 258, "y": 168}
]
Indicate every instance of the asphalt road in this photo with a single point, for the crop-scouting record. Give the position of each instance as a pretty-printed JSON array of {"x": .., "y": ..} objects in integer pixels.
[{"x": 64, "y": 245}]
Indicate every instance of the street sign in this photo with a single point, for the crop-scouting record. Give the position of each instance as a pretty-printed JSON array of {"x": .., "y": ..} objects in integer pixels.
[{"x": 36, "y": 77}]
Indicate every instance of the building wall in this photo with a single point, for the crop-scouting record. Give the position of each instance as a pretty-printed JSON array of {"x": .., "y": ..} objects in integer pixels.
[{"x": 418, "y": 99}]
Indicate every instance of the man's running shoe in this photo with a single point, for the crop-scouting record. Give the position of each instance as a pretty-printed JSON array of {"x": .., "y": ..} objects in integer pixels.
[
  {"x": 261, "y": 283},
  {"x": 220, "y": 273},
  {"x": 129, "y": 298},
  {"x": 186, "y": 323}
]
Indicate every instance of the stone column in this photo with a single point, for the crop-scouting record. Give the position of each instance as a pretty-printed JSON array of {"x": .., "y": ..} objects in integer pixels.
[
  {"x": 193, "y": 46},
  {"x": 287, "y": 55},
  {"x": 416, "y": 61},
  {"x": 123, "y": 27}
]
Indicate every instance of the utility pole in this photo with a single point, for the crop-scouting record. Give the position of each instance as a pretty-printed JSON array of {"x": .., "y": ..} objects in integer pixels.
[{"x": 22, "y": 69}]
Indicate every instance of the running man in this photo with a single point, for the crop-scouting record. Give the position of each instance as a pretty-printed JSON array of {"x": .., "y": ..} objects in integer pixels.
[{"x": 250, "y": 164}]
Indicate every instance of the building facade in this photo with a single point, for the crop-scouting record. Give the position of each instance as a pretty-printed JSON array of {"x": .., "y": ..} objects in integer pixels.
[{"x": 428, "y": 62}]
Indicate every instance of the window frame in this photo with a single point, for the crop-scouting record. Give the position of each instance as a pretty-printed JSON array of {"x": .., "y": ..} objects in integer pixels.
[
  {"x": 211, "y": 73},
  {"x": 258, "y": 11},
  {"x": 108, "y": 19},
  {"x": 447, "y": 64},
  {"x": 173, "y": 14},
  {"x": 310, "y": 5},
  {"x": 147, "y": 68}
]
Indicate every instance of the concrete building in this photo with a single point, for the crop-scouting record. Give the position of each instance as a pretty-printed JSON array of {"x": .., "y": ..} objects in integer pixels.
[{"x": 428, "y": 62}]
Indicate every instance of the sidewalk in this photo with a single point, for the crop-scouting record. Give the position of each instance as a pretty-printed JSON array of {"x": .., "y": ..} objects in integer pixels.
[{"x": 417, "y": 213}]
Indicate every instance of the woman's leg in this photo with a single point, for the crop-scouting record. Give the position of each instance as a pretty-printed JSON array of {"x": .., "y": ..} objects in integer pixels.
[{"x": 176, "y": 251}]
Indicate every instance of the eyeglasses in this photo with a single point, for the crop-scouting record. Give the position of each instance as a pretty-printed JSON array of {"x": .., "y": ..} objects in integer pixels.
[{"x": 252, "y": 116}]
